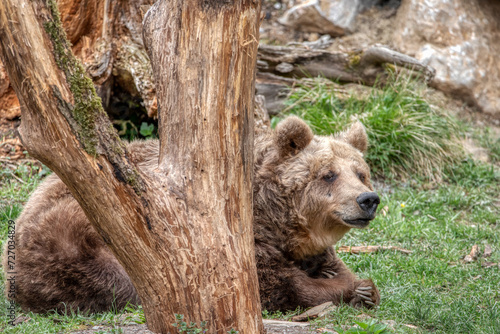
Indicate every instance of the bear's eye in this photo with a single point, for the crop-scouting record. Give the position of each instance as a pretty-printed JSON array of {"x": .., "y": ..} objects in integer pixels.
[
  {"x": 330, "y": 177},
  {"x": 362, "y": 177}
]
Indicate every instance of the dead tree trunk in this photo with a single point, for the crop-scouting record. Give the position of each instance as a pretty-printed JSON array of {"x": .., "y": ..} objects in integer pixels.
[{"x": 184, "y": 233}]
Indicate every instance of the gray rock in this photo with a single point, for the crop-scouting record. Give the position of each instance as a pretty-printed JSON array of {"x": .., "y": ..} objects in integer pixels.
[
  {"x": 461, "y": 40},
  {"x": 312, "y": 16},
  {"x": 333, "y": 17}
]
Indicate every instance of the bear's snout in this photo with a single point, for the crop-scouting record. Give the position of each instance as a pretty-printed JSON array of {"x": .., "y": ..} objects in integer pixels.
[{"x": 368, "y": 202}]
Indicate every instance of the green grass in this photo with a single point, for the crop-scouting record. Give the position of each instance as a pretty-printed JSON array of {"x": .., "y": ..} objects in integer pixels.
[
  {"x": 437, "y": 217},
  {"x": 15, "y": 188}
]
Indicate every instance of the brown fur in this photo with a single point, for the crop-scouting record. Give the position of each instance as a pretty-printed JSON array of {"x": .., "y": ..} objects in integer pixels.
[{"x": 305, "y": 199}]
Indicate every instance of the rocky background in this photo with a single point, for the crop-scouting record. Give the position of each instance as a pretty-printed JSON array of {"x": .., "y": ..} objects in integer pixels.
[
  {"x": 453, "y": 45},
  {"x": 460, "y": 39}
]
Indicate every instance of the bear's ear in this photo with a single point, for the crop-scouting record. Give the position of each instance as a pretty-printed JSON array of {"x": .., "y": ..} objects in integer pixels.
[
  {"x": 292, "y": 135},
  {"x": 356, "y": 137}
]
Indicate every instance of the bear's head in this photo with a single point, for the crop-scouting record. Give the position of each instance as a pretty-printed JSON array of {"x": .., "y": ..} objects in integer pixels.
[{"x": 316, "y": 187}]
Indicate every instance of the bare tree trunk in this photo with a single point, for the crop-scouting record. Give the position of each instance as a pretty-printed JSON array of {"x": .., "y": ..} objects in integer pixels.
[{"x": 184, "y": 232}]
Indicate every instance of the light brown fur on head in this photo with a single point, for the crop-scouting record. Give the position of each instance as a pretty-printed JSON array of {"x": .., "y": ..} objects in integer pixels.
[{"x": 321, "y": 182}]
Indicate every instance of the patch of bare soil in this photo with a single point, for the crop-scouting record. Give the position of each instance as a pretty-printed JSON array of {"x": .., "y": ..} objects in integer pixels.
[
  {"x": 10, "y": 119},
  {"x": 463, "y": 111},
  {"x": 271, "y": 32},
  {"x": 373, "y": 26}
]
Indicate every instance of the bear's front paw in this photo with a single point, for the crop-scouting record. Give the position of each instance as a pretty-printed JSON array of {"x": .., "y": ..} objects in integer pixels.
[{"x": 365, "y": 294}]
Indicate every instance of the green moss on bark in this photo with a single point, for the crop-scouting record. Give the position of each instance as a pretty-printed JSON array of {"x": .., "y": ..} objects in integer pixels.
[
  {"x": 87, "y": 103},
  {"x": 89, "y": 118}
]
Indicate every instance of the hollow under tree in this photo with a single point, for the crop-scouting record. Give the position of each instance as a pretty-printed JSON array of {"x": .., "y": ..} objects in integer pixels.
[{"x": 184, "y": 235}]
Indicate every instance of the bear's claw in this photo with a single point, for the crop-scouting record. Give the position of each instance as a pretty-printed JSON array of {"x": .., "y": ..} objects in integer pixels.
[
  {"x": 365, "y": 298},
  {"x": 365, "y": 295},
  {"x": 329, "y": 273}
]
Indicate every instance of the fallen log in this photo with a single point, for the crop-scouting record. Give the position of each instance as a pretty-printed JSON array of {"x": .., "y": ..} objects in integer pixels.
[{"x": 358, "y": 66}]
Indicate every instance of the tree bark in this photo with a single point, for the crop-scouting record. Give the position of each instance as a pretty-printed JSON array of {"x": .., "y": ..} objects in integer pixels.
[
  {"x": 106, "y": 36},
  {"x": 184, "y": 232}
]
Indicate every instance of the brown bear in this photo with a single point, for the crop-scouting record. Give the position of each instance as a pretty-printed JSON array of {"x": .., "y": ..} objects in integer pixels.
[{"x": 308, "y": 192}]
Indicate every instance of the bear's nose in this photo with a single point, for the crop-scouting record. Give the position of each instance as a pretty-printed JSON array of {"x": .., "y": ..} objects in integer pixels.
[{"x": 368, "y": 202}]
